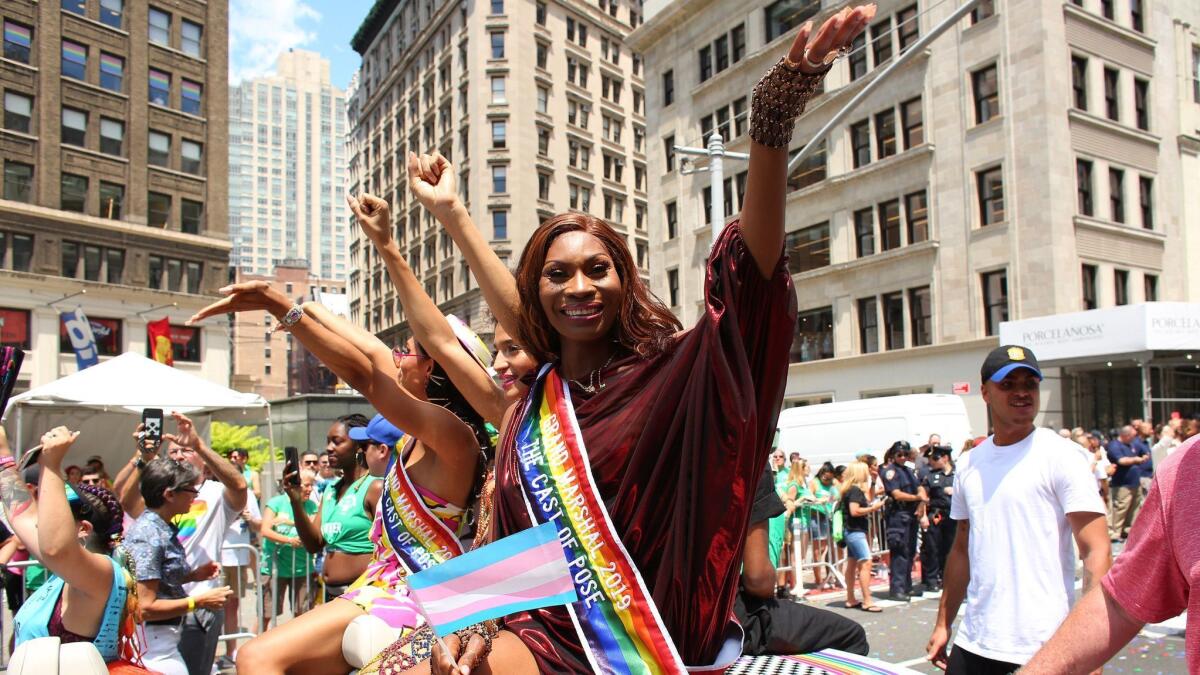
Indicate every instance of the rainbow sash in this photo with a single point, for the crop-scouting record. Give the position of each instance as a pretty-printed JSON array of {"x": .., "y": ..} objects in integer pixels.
[
  {"x": 420, "y": 539},
  {"x": 617, "y": 622}
]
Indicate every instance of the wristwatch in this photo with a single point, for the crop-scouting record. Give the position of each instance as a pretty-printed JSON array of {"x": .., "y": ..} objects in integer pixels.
[{"x": 140, "y": 464}]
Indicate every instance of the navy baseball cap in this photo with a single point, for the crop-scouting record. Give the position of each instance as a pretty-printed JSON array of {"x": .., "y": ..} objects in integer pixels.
[
  {"x": 1006, "y": 358},
  {"x": 378, "y": 430}
]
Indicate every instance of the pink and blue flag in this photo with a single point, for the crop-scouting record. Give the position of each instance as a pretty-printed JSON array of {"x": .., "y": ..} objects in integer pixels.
[{"x": 524, "y": 571}]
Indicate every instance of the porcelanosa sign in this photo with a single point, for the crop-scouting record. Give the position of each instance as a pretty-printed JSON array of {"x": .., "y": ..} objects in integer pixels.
[{"x": 1106, "y": 332}]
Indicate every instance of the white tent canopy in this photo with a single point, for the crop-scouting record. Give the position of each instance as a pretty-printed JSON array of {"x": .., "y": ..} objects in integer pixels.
[{"x": 105, "y": 402}]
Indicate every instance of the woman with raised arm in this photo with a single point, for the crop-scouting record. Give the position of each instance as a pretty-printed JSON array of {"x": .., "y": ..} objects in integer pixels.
[
  {"x": 669, "y": 429},
  {"x": 432, "y": 471},
  {"x": 74, "y": 532}
]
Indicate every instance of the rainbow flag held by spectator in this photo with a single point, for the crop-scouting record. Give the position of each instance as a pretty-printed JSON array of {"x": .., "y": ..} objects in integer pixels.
[{"x": 524, "y": 571}]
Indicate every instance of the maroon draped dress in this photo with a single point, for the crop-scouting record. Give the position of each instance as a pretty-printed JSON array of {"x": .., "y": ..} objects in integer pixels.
[{"x": 677, "y": 443}]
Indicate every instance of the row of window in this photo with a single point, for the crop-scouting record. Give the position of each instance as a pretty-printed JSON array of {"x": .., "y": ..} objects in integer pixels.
[
  {"x": 75, "y": 195},
  {"x": 112, "y": 13},
  {"x": 886, "y": 144},
  {"x": 722, "y": 52},
  {"x": 1085, "y": 188},
  {"x": 1120, "y": 286},
  {"x": 1108, "y": 9},
  {"x": 15, "y": 330},
  {"x": 1112, "y": 78}
]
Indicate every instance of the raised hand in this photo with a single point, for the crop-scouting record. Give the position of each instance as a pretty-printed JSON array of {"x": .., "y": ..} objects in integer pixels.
[
  {"x": 374, "y": 217},
  {"x": 187, "y": 432},
  {"x": 835, "y": 34},
  {"x": 244, "y": 297},
  {"x": 55, "y": 444},
  {"x": 431, "y": 179}
]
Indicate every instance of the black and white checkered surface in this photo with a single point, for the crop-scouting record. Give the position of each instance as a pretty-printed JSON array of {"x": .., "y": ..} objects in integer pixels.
[{"x": 772, "y": 665}]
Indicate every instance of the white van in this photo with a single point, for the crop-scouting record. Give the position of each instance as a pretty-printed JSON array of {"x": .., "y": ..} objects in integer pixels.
[{"x": 839, "y": 432}]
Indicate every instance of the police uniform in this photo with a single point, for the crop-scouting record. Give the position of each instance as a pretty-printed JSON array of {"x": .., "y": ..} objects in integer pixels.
[
  {"x": 900, "y": 521},
  {"x": 938, "y": 539}
]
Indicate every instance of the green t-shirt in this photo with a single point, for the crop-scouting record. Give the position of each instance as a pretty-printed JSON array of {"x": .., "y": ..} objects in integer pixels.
[
  {"x": 293, "y": 561},
  {"x": 35, "y": 576}
]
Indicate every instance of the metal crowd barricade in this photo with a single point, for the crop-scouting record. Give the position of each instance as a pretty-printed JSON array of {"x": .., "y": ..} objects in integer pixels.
[
  {"x": 258, "y": 605},
  {"x": 5, "y": 653},
  {"x": 803, "y": 556},
  {"x": 298, "y": 608}
]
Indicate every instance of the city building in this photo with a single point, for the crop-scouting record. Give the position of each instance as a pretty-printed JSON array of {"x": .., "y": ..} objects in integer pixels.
[
  {"x": 1031, "y": 161},
  {"x": 114, "y": 153},
  {"x": 270, "y": 362},
  {"x": 539, "y": 106},
  {"x": 287, "y": 169}
]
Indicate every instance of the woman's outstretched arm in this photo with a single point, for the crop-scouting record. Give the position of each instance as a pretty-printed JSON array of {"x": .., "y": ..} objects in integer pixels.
[{"x": 779, "y": 98}]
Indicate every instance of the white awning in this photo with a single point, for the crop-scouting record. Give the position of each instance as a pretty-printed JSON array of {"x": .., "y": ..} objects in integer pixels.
[{"x": 1128, "y": 329}]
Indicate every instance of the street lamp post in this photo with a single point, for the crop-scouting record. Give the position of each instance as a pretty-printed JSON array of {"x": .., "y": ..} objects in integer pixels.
[{"x": 716, "y": 154}]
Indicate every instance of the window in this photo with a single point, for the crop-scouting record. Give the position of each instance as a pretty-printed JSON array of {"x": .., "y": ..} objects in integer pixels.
[
  {"x": 185, "y": 343},
  {"x": 889, "y": 225},
  {"x": 18, "y": 111},
  {"x": 916, "y": 211},
  {"x": 668, "y": 84},
  {"x": 74, "y": 60},
  {"x": 810, "y": 170},
  {"x": 860, "y": 142},
  {"x": 864, "y": 232},
  {"x": 189, "y": 97},
  {"x": 160, "y": 27},
  {"x": 159, "y": 149},
  {"x": 93, "y": 258},
  {"x": 737, "y": 38},
  {"x": 1112, "y": 101},
  {"x": 1107, "y": 9},
  {"x": 807, "y": 249},
  {"x": 540, "y": 15},
  {"x": 1079, "y": 66},
  {"x": 160, "y": 87},
  {"x": 112, "y": 198},
  {"x": 669, "y": 150},
  {"x": 499, "y": 134},
  {"x": 111, "y": 11},
  {"x": 193, "y": 277},
  {"x": 990, "y": 186},
  {"x": 739, "y": 117},
  {"x": 70, "y": 259},
  {"x": 784, "y": 15},
  {"x": 106, "y": 331},
  {"x": 500, "y": 224},
  {"x": 74, "y": 127},
  {"x": 857, "y": 60},
  {"x": 159, "y": 208},
  {"x": 1083, "y": 186},
  {"x": 912, "y": 117},
  {"x": 1088, "y": 281},
  {"x": 155, "y": 270},
  {"x": 893, "y": 321},
  {"x": 1135, "y": 15},
  {"x": 571, "y": 29},
  {"x": 191, "y": 38},
  {"x": 543, "y": 55},
  {"x": 1116, "y": 194},
  {"x": 498, "y": 90},
  {"x": 673, "y": 287},
  {"x": 497, "y": 6},
  {"x": 908, "y": 29},
  {"x": 497, "y": 45},
  {"x": 987, "y": 94},
  {"x": 543, "y": 186},
  {"x": 190, "y": 156},
  {"x": 1121, "y": 287},
  {"x": 14, "y": 323},
  {"x": 112, "y": 72},
  {"x": 1150, "y": 287},
  {"x": 868, "y": 325},
  {"x": 499, "y": 178},
  {"x": 543, "y": 135},
  {"x": 18, "y": 40},
  {"x": 721, "y": 52},
  {"x": 982, "y": 11},
  {"x": 881, "y": 41},
  {"x": 18, "y": 181},
  {"x": 705, "y": 55},
  {"x": 76, "y": 6},
  {"x": 543, "y": 100},
  {"x": 74, "y": 193},
  {"x": 813, "y": 339},
  {"x": 1141, "y": 103},
  {"x": 672, "y": 220},
  {"x": 995, "y": 300},
  {"x": 1146, "y": 201},
  {"x": 920, "y": 316},
  {"x": 191, "y": 216},
  {"x": 1196, "y": 74},
  {"x": 885, "y": 133}
]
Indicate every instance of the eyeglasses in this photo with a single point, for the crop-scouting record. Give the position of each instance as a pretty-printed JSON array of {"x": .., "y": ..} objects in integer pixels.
[
  {"x": 187, "y": 488},
  {"x": 309, "y": 462}
]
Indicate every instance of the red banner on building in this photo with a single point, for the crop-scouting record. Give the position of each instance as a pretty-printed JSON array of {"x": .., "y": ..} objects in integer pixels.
[{"x": 159, "y": 335}]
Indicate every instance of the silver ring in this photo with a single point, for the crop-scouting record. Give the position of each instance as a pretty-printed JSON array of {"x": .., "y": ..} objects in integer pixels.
[{"x": 815, "y": 66}]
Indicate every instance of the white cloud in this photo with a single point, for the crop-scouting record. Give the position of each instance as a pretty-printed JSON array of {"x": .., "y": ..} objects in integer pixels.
[{"x": 260, "y": 30}]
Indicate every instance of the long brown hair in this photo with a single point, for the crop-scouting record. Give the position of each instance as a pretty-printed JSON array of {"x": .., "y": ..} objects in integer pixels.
[{"x": 644, "y": 324}]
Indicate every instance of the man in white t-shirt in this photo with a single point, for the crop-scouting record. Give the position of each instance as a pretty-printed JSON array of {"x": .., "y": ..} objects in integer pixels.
[{"x": 1019, "y": 497}]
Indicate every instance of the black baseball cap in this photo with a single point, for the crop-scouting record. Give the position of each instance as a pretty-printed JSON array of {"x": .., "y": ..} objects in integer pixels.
[{"x": 1006, "y": 358}]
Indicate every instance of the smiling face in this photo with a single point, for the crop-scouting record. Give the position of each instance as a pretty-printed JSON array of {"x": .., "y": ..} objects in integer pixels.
[
  {"x": 414, "y": 366},
  {"x": 580, "y": 290},
  {"x": 1015, "y": 400},
  {"x": 511, "y": 363}
]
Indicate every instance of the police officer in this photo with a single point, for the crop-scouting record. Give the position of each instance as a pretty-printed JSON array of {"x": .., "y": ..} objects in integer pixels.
[
  {"x": 939, "y": 530},
  {"x": 906, "y": 496}
]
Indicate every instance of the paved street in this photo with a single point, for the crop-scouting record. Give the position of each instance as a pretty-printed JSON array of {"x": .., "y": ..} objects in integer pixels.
[{"x": 899, "y": 633}]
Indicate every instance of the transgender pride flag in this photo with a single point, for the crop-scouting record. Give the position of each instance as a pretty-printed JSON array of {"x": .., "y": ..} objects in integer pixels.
[{"x": 525, "y": 571}]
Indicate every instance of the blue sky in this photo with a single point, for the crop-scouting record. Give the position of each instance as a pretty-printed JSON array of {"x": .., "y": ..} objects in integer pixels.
[{"x": 259, "y": 30}]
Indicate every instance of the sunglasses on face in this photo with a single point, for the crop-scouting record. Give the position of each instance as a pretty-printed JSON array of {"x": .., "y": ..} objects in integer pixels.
[{"x": 309, "y": 462}]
